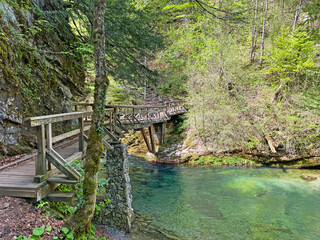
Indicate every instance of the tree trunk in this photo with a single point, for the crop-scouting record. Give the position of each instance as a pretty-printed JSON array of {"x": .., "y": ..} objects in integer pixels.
[
  {"x": 296, "y": 17},
  {"x": 253, "y": 32},
  {"x": 263, "y": 32},
  {"x": 83, "y": 217}
]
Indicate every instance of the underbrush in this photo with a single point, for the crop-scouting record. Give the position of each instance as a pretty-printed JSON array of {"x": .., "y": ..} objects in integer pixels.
[
  {"x": 63, "y": 210},
  {"x": 222, "y": 161}
]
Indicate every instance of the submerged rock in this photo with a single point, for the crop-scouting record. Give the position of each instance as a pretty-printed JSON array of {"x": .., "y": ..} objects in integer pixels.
[{"x": 309, "y": 178}]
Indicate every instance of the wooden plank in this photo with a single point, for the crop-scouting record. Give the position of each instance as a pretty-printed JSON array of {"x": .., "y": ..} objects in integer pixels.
[
  {"x": 65, "y": 135},
  {"x": 113, "y": 137},
  {"x": 23, "y": 171},
  {"x": 41, "y": 145},
  {"x": 20, "y": 185},
  {"x": 62, "y": 165},
  {"x": 118, "y": 130},
  {"x": 118, "y": 124},
  {"x": 6, "y": 176},
  {"x": 122, "y": 128},
  {"x": 107, "y": 145},
  {"x": 45, "y": 190},
  {"x": 75, "y": 156},
  {"x": 38, "y": 121},
  {"x": 135, "y": 106},
  {"x": 18, "y": 193},
  {"x": 27, "y": 157},
  {"x": 60, "y": 196},
  {"x": 58, "y": 178},
  {"x": 42, "y": 178}
]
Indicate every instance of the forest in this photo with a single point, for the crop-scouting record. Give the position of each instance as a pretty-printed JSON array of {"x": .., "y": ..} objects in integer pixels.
[{"x": 244, "y": 75}]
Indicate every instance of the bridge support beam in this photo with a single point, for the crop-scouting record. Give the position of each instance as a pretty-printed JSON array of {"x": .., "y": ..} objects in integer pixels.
[
  {"x": 157, "y": 134},
  {"x": 160, "y": 129},
  {"x": 154, "y": 138},
  {"x": 146, "y": 140}
]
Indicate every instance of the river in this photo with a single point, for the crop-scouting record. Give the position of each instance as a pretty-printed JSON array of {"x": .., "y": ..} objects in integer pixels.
[{"x": 204, "y": 202}]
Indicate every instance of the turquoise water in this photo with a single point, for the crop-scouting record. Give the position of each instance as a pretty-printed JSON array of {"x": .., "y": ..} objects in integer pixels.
[{"x": 199, "y": 202}]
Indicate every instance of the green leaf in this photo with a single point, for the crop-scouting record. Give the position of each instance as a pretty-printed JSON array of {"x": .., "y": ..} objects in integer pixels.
[
  {"x": 38, "y": 231},
  {"x": 70, "y": 235},
  {"x": 65, "y": 230},
  {"x": 49, "y": 229}
]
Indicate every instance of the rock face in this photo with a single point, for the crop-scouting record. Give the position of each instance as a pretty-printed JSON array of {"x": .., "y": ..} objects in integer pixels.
[
  {"x": 118, "y": 213},
  {"x": 36, "y": 77}
]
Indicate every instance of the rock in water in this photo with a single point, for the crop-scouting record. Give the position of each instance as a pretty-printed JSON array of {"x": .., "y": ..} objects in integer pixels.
[
  {"x": 309, "y": 178},
  {"x": 151, "y": 157}
]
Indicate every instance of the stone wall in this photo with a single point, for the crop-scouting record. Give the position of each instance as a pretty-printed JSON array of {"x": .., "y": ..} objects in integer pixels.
[{"x": 118, "y": 213}]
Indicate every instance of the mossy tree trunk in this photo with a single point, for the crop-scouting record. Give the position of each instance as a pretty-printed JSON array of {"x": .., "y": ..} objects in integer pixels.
[{"x": 82, "y": 218}]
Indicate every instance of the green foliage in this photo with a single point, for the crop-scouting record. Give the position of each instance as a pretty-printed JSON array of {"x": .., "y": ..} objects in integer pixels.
[
  {"x": 206, "y": 58},
  {"x": 129, "y": 38},
  {"x": 38, "y": 233},
  {"x": 291, "y": 57},
  {"x": 222, "y": 161},
  {"x": 102, "y": 204}
]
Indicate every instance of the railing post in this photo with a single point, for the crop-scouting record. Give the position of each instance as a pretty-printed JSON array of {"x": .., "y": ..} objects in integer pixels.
[
  {"x": 132, "y": 115},
  {"x": 41, "y": 145},
  {"x": 81, "y": 134},
  {"x": 49, "y": 141},
  {"x": 147, "y": 114},
  {"x": 113, "y": 119}
]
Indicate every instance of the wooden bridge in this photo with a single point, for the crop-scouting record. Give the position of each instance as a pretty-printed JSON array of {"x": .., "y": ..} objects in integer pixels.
[{"x": 37, "y": 175}]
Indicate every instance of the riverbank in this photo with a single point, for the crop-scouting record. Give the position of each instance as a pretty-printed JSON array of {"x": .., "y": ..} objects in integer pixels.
[{"x": 177, "y": 150}]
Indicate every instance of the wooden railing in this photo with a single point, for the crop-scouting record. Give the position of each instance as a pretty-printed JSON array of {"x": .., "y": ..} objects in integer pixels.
[
  {"x": 118, "y": 118},
  {"x": 135, "y": 116},
  {"x": 47, "y": 156}
]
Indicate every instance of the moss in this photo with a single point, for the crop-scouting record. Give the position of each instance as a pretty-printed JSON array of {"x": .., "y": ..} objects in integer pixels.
[
  {"x": 18, "y": 149},
  {"x": 3, "y": 51},
  {"x": 222, "y": 161}
]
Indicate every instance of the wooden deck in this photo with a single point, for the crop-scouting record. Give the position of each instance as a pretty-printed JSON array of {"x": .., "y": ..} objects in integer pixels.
[{"x": 18, "y": 181}]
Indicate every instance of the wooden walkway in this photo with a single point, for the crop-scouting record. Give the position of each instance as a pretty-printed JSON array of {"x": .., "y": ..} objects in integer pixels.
[
  {"x": 37, "y": 177},
  {"x": 18, "y": 181}
]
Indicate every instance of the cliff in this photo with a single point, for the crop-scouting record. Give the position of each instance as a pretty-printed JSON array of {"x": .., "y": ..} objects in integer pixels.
[{"x": 40, "y": 69}]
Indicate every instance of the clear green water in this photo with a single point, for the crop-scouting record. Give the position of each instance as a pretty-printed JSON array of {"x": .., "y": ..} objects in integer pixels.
[{"x": 227, "y": 203}]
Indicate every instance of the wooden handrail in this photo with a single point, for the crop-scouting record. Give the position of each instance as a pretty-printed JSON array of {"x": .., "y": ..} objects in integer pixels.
[
  {"x": 38, "y": 121},
  {"x": 135, "y": 106}
]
